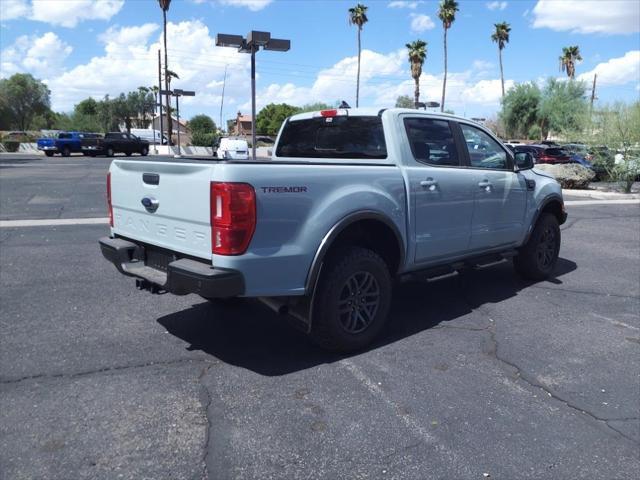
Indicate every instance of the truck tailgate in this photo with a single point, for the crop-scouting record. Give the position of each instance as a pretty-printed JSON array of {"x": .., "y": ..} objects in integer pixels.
[{"x": 179, "y": 191}]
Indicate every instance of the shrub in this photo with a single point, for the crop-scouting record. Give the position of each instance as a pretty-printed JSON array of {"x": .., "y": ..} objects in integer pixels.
[
  {"x": 571, "y": 175},
  {"x": 11, "y": 145},
  {"x": 202, "y": 139}
]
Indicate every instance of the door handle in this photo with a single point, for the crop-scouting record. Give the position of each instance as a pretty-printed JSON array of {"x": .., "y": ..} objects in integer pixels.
[
  {"x": 429, "y": 182},
  {"x": 485, "y": 185}
]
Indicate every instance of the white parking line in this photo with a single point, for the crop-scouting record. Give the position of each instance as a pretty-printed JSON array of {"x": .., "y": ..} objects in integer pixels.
[
  {"x": 578, "y": 203},
  {"x": 617, "y": 323},
  {"x": 53, "y": 222}
]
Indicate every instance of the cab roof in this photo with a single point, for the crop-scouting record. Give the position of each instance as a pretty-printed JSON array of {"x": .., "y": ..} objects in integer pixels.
[{"x": 373, "y": 112}]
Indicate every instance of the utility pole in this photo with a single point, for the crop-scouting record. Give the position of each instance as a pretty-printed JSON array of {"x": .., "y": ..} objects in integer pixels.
[
  {"x": 593, "y": 93},
  {"x": 159, "y": 101},
  {"x": 224, "y": 84}
]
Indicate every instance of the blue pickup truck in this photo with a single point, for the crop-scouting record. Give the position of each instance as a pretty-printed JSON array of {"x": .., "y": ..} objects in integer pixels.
[
  {"x": 65, "y": 143},
  {"x": 350, "y": 201}
]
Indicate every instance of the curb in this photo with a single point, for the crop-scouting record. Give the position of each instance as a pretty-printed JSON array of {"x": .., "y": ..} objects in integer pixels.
[{"x": 598, "y": 195}]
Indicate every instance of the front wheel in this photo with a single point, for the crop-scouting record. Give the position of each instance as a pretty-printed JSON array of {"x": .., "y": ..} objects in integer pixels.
[
  {"x": 144, "y": 152},
  {"x": 538, "y": 257},
  {"x": 48, "y": 153},
  {"x": 352, "y": 300}
]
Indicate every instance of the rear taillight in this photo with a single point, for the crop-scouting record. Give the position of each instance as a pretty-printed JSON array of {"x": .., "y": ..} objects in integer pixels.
[
  {"x": 233, "y": 217},
  {"x": 110, "y": 207}
]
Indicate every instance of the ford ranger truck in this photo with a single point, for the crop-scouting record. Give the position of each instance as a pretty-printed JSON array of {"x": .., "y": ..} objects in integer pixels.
[{"x": 350, "y": 200}]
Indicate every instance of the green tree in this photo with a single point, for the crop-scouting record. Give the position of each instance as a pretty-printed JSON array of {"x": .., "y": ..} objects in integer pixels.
[
  {"x": 570, "y": 56},
  {"x": 22, "y": 97},
  {"x": 417, "y": 52},
  {"x": 528, "y": 112},
  {"x": 358, "y": 17},
  {"x": 404, "y": 101},
  {"x": 618, "y": 128},
  {"x": 501, "y": 37},
  {"x": 447, "y": 14},
  {"x": 106, "y": 116},
  {"x": 88, "y": 106},
  {"x": 202, "y": 124},
  {"x": 270, "y": 118},
  {"x": 563, "y": 108},
  {"x": 520, "y": 109}
]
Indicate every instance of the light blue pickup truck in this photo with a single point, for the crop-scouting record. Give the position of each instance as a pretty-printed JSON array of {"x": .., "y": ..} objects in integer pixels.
[{"x": 350, "y": 200}]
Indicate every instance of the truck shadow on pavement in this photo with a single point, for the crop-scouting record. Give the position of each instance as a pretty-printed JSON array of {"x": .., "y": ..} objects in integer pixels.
[{"x": 249, "y": 335}]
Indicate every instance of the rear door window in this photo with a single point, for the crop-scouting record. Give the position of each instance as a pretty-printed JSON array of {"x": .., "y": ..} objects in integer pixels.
[
  {"x": 432, "y": 141},
  {"x": 333, "y": 137}
]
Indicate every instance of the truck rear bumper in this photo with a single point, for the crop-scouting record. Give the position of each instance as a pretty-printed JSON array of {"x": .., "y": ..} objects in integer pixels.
[{"x": 182, "y": 276}]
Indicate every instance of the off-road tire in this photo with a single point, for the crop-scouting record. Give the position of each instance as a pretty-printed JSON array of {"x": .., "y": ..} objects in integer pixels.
[
  {"x": 351, "y": 281},
  {"x": 538, "y": 257},
  {"x": 48, "y": 153}
]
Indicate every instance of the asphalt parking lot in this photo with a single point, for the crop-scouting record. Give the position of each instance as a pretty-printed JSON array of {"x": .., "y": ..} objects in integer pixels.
[{"x": 482, "y": 374}]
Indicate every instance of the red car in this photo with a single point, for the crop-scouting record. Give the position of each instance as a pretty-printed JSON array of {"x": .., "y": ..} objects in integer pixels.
[{"x": 545, "y": 154}]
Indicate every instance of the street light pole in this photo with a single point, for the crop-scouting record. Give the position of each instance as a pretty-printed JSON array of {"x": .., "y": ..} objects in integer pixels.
[
  {"x": 251, "y": 44},
  {"x": 253, "y": 101},
  {"x": 177, "y": 92},
  {"x": 178, "y": 115}
]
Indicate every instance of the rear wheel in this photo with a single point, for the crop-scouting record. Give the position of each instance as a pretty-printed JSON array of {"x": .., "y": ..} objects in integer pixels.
[
  {"x": 352, "y": 300},
  {"x": 48, "y": 153},
  {"x": 538, "y": 257},
  {"x": 109, "y": 152},
  {"x": 144, "y": 152},
  {"x": 66, "y": 152}
]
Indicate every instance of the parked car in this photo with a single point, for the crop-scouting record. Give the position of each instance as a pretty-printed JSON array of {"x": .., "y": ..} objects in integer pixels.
[
  {"x": 232, "y": 149},
  {"x": 64, "y": 143},
  {"x": 151, "y": 136},
  {"x": 544, "y": 154},
  {"x": 115, "y": 142},
  {"x": 351, "y": 200}
]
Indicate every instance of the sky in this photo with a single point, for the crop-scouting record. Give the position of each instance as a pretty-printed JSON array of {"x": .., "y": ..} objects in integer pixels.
[{"x": 83, "y": 48}]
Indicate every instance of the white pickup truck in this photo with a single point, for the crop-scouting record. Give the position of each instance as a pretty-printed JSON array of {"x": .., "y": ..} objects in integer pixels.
[{"x": 350, "y": 200}]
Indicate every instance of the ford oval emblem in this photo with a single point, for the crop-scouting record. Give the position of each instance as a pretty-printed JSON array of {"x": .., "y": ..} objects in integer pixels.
[{"x": 150, "y": 204}]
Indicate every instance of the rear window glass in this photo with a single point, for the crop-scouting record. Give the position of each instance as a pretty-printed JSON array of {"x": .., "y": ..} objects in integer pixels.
[
  {"x": 431, "y": 141},
  {"x": 555, "y": 152},
  {"x": 333, "y": 137}
]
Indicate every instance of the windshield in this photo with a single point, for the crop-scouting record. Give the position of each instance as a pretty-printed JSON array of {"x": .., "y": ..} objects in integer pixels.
[{"x": 333, "y": 137}]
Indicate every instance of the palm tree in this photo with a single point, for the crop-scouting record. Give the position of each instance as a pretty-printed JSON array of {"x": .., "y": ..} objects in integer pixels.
[
  {"x": 417, "y": 56},
  {"x": 501, "y": 37},
  {"x": 570, "y": 55},
  {"x": 446, "y": 13},
  {"x": 164, "y": 5},
  {"x": 358, "y": 17}
]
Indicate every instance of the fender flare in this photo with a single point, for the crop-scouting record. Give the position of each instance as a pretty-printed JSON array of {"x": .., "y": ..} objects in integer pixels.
[
  {"x": 334, "y": 232},
  {"x": 551, "y": 198}
]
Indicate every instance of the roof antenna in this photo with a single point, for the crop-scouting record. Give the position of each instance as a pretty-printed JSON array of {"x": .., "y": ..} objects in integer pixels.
[{"x": 344, "y": 105}]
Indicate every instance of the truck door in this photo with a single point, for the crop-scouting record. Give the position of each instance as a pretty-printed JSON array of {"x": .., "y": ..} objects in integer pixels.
[
  {"x": 441, "y": 189},
  {"x": 500, "y": 193}
]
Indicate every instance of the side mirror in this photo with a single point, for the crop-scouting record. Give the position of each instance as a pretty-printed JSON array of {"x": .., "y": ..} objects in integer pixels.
[{"x": 524, "y": 161}]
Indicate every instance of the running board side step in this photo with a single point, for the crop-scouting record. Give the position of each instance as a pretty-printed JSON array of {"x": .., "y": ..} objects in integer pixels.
[{"x": 442, "y": 272}]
